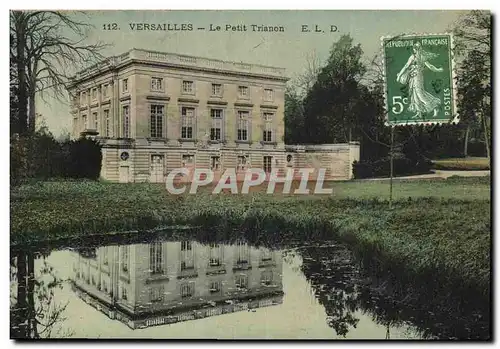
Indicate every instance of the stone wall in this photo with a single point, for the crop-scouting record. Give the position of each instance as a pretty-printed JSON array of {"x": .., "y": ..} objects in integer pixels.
[{"x": 336, "y": 159}]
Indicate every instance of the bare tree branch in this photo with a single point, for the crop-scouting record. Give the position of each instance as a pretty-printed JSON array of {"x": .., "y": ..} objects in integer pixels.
[{"x": 53, "y": 42}]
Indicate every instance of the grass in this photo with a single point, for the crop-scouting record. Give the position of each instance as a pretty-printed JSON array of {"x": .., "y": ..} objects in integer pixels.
[
  {"x": 462, "y": 164},
  {"x": 436, "y": 227},
  {"x": 467, "y": 188}
]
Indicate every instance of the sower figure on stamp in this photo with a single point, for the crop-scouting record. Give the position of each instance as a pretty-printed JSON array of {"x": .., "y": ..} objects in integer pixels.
[{"x": 412, "y": 74}]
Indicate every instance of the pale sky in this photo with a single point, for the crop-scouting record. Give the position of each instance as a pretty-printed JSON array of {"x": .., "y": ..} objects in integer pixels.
[{"x": 288, "y": 49}]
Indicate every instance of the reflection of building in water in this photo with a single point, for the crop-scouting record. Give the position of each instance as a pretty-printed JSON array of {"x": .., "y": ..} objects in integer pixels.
[{"x": 165, "y": 282}]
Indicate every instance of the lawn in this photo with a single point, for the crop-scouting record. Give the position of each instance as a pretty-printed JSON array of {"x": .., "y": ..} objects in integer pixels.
[
  {"x": 462, "y": 164},
  {"x": 442, "y": 226}
]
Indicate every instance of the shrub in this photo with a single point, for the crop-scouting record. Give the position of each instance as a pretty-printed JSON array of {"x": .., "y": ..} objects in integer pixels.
[
  {"x": 40, "y": 156},
  {"x": 382, "y": 168}
]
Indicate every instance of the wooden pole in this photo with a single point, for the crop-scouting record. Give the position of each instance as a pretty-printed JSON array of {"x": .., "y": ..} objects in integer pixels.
[
  {"x": 486, "y": 137},
  {"x": 392, "y": 166}
]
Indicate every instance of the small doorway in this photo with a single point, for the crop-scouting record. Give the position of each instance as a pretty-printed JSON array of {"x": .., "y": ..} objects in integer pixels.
[
  {"x": 157, "y": 168},
  {"x": 124, "y": 174}
]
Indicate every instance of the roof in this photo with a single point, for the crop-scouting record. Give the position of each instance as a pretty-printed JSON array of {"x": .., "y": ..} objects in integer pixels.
[{"x": 180, "y": 61}]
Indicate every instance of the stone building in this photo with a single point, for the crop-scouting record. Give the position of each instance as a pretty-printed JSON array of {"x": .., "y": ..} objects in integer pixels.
[
  {"x": 162, "y": 282},
  {"x": 154, "y": 112}
]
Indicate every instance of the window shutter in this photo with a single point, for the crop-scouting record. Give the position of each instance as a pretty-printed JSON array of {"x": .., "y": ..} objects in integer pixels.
[
  {"x": 223, "y": 126},
  {"x": 236, "y": 125},
  {"x": 164, "y": 123},
  {"x": 250, "y": 126},
  {"x": 195, "y": 123},
  {"x": 179, "y": 126}
]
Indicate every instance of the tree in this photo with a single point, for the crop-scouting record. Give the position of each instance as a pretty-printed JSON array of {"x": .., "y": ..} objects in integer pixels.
[
  {"x": 295, "y": 93},
  {"x": 472, "y": 89},
  {"x": 330, "y": 102},
  {"x": 294, "y": 117},
  {"x": 34, "y": 311},
  {"x": 473, "y": 46},
  {"x": 18, "y": 81},
  {"x": 44, "y": 47},
  {"x": 306, "y": 80},
  {"x": 473, "y": 33}
]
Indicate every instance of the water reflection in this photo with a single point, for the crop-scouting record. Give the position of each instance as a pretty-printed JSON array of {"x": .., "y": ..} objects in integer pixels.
[
  {"x": 164, "y": 282},
  {"x": 311, "y": 291},
  {"x": 334, "y": 279},
  {"x": 343, "y": 287},
  {"x": 34, "y": 311}
]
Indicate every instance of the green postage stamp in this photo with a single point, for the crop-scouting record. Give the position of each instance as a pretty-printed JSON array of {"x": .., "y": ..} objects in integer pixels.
[{"x": 419, "y": 85}]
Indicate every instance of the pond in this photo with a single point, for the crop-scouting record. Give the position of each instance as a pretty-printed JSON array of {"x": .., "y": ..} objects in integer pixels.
[{"x": 165, "y": 288}]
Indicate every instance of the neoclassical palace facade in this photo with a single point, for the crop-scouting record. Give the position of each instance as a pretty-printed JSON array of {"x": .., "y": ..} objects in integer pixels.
[{"x": 154, "y": 112}]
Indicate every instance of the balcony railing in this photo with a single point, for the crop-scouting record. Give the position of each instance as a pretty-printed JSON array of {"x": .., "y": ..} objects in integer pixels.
[{"x": 181, "y": 60}]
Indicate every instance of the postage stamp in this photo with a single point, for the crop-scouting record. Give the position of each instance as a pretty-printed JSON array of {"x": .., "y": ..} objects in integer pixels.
[{"x": 419, "y": 79}]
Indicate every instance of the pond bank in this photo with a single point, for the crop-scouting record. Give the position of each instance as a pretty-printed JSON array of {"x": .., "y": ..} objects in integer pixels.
[{"x": 426, "y": 237}]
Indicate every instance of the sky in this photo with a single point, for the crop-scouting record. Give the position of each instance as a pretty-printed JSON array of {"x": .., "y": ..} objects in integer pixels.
[{"x": 289, "y": 49}]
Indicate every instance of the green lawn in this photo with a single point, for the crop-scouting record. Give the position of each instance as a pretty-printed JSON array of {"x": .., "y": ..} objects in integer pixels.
[
  {"x": 439, "y": 225},
  {"x": 462, "y": 164},
  {"x": 467, "y": 188}
]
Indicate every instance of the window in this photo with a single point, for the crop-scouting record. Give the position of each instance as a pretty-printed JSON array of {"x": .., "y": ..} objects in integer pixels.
[
  {"x": 187, "y": 160},
  {"x": 105, "y": 256},
  {"x": 125, "y": 85},
  {"x": 266, "y": 278},
  {"x": 126, "y": 121},
  {"x": 95, "y": 116},
  {"x": 92, "y": 278},
  {"x": 187, "y": 87},
  {"x": 105, "y": 91},
  {"x": 243, "y": 91},
  {"x": 289, "y": 160},
  {"x": 156, "y": 121},
  {"x": 266, "y": 255},
  {"x": 268, "y": 127},
  {"x": 107, "y": 123},
  {"x": 155, "y": 258},
  {"x": 217, "y": 120},
  {"x": 216, "y": 90},
  {"x": 84, "y": 121},
  {"x": 187, "y": 116},
  {"x": 124, "y": 258},
  {"x": 187, "y": 265},
  {"x": 94, "y": 93},
  {"x": 124, "y": 292},
  {"x": 187, "y": 255},
  {"x": 243, "y": 253},
  {"x": 104, "y": 286},
  {"x": 267, "y": 163},
  {"x": 243, "y": 125},
  {"x": 241, "y": 281},
  {"x": 186, "y": 246},
  {"x": 215, "y": 163},
  {"x": 215, "y": 261},
  {"x": 215, "y": 286},
  {"x": 268, "y": 95},
  {"x": 215, "y": 255},
  {"x": 83, "y": 98},
  {"x": 242, "y": 163},
  {"x": 187, "y": 289},
  {"x": 156, "y": 84},
  {"x": 156, "y": 293}
]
